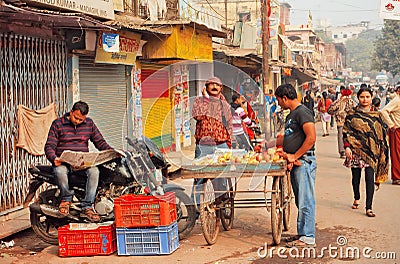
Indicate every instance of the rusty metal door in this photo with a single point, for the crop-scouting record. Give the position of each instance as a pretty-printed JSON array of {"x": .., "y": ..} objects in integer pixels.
[{"x": 33, "y": 72}]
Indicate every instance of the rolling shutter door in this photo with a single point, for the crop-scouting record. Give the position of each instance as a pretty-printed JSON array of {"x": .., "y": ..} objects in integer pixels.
[{"x": 103, "y": 87}]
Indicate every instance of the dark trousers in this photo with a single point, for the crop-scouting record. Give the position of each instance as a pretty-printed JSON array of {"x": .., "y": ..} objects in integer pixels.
[{"x": 369, "y": 185}]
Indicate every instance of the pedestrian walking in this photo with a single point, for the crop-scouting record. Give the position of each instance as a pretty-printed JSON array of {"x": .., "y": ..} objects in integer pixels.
[
  {"x": 271, "y": 106},
  {"x": 308, "y": 101},
  {"x": 298, "y": 142},
  {"x": 376, "y": 104},
  {"x": 339, "y": 110},
  {"x": 333, "y": 97},
  {"x": 364, "y": 136},
  {"x": 391, "y": 116},
  {"x": 323, "y": 106},
  {"x": 239, "y": 117},
  {"x": 73, "y": 132}
]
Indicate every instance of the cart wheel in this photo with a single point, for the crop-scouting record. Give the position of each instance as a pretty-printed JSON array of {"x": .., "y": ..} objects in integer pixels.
[
  {"x": 209, "y": 215},
  {"x": 287, "y": 191},
  {"x": 227, "y": 210},
  {"x": 276, "y": 209}
]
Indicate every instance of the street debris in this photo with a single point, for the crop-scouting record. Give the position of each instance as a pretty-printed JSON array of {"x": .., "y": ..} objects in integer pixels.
[{"x": 7, "y": 244}]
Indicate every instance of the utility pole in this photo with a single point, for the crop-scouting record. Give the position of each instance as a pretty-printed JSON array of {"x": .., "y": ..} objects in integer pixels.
[
  {"x": 226, "y": 14},
  {"x": 265, "y": 12}
]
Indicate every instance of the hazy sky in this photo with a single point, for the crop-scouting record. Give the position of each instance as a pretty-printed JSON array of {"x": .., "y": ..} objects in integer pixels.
[{"x": 338, "y": 12}]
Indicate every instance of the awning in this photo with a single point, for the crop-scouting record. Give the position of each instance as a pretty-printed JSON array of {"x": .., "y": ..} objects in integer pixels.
[
  {"x": 328, "y": 81},
  {"x": 137, "y": 24},
  {"x": 11, "y": 14},
  {"x": 302, "y": 76},
  {"x": 230, "y": 51},
  {"x": 214, "y": 32}
]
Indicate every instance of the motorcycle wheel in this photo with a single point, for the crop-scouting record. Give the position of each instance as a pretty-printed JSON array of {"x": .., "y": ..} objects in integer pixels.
[
  {"x": 186, "y": 214},
  {"x": 44, "y": 226}
]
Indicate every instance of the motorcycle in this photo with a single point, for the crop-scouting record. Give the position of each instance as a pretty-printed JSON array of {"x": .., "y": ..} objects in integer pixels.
[{"x": 136, "y": 171}]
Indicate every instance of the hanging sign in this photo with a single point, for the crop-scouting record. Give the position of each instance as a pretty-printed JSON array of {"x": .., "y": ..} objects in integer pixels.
[
  {"x": 390, "y": 9},
  {"x": 110, "y": 42}
]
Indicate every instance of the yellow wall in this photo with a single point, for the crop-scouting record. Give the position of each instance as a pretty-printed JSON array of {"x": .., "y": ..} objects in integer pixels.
[
  {"x": 184, "y": 43},
  {"x": 156, "y": 116}
]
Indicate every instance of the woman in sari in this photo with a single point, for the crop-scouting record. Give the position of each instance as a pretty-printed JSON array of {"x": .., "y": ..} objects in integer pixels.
[{"x": 366, "y": 147}]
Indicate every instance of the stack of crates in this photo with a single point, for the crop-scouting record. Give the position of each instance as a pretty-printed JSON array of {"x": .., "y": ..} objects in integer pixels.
[
  {"x": 146, "y": 225},
  {"x": 81, "y": 239}
]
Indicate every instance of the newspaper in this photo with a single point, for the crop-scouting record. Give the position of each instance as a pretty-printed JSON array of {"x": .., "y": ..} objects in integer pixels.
[{"x": 83, "y": 160}]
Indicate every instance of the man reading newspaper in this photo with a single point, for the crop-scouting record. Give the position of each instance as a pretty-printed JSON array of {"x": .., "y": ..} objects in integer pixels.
[{"x": 73, "y": 132}]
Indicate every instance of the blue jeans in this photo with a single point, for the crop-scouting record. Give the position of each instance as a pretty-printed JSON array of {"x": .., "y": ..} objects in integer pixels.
[
  {"x": 219, "y": 184},
  {"x": 303, "y": 181},
  {"x": 92, "y": 173}
]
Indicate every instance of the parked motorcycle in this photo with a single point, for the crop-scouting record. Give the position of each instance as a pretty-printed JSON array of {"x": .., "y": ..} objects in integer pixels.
[{"x": 136, "y": 171}]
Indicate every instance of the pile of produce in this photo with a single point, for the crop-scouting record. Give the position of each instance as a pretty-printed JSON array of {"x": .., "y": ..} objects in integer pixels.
[{"x": 232, "y": 157}]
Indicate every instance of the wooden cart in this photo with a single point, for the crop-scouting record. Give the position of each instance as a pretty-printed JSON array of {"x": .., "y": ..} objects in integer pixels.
[{"x": 216, "y": 201}]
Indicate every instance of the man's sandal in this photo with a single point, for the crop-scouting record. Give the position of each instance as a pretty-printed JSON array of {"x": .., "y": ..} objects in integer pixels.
[
  {"x": 291, "y": 238},
  {"x": 63, "y": 208},
  {"x": 370, "y": 213},
  {"x": 90, "y": 214}
]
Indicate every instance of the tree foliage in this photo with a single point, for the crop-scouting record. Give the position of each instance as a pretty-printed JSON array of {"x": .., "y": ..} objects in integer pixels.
[
  {"x": 359, "y": 52},
  {"x": 386, "y": 55}
]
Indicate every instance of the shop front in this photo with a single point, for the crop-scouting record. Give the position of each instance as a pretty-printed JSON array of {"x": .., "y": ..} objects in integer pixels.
[{"x": 174, "y": 68}]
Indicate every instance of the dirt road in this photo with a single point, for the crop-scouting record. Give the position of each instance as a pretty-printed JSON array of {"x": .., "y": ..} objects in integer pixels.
[{"x": 341, "y": 231}]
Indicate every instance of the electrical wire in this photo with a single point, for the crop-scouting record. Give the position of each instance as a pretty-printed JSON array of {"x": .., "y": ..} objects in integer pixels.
[
  {"x": 215, "y": 10},
  {"x": 202, "y": 11}
]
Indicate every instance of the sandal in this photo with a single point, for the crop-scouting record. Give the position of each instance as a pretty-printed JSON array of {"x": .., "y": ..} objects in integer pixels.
[
  {"x": 369, "y": 213},
  {"x": 291, "y": 238},
  {"x": 90, "y": 214},
  {"x": 355, "y": 205},
  {"x": 299, "y": 244}
]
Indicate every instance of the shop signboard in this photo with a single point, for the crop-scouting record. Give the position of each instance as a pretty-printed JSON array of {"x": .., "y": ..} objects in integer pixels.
[
  {"x": 128, "y": 48},
  {"x": 390, "y": 9},
  {"x": 99, "y": 8}
]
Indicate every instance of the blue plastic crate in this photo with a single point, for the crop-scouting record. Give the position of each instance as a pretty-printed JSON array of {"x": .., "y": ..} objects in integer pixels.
[{"x": 161, "y": 240}]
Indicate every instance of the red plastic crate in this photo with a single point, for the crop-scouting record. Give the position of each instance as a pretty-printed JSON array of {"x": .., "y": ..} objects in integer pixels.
[
  {"x": 145, "y": 211},
  {"x": 87, "y": 239}
]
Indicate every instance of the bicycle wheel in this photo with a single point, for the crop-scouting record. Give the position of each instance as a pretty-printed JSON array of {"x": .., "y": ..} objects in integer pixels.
[
  {"x": 276, "y": 209},
  {"x": 227, "y": 210},
  {"x": 209, "y": 215}
]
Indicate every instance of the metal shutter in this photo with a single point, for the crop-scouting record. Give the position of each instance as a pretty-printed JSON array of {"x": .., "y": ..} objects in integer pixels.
[{"x": 103, "y": 87}]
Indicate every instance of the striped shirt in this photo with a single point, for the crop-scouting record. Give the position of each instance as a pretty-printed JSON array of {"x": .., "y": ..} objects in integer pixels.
[
  {"x": 238, "y": 117},
  {"x": 64, "y": 135}
]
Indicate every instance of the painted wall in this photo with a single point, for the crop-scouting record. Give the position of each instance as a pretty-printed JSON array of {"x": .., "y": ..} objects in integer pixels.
[{"x": 185, "y": 42}]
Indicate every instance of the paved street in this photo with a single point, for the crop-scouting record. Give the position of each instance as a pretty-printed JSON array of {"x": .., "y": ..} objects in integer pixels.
[{"x": 335, "y": 220}]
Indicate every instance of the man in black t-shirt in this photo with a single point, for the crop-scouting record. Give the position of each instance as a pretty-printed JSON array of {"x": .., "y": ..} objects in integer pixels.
[{"x": 298, "y": 142}]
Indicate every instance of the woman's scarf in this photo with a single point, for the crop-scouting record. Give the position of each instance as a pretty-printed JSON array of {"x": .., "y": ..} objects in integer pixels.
[{"x": 366, "y": 134}]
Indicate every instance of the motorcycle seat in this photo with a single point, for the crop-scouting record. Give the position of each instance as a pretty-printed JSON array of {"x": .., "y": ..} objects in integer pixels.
[{"x": 45, "y": 168}]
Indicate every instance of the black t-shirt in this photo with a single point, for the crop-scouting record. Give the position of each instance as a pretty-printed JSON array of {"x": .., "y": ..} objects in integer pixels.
[{"x": 294, "y": 134}]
